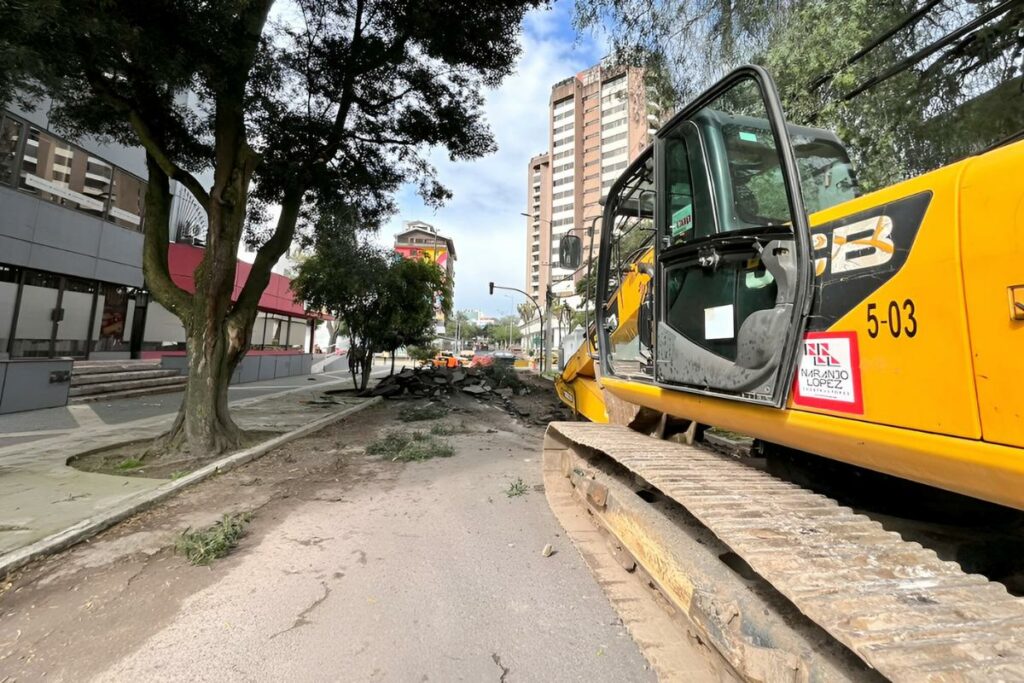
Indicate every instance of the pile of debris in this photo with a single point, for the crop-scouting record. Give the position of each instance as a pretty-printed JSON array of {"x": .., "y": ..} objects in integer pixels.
[{"x": 431, "y": 382}]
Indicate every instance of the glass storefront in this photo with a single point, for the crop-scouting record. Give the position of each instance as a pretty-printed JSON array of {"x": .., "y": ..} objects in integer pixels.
[{"x": 45, "y": 315}]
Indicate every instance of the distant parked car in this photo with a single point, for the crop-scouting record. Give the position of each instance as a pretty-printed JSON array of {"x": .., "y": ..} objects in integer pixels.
[
  {"x": 445, "y": 360},
  {"x": 487, "y": 358},
  {"x": 482, "y": 359}
]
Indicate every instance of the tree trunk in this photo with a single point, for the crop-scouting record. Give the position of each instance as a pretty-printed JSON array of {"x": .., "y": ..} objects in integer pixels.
[
  {"x": 204, "y": 421},
  {"x": 335, "y": 330},
  {"x": 367, "y": 367},
  {"x": 393, "y": 362}
]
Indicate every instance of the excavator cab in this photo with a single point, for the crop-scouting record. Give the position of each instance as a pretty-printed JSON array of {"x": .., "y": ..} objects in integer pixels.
[{"x": 711, "y": 220}]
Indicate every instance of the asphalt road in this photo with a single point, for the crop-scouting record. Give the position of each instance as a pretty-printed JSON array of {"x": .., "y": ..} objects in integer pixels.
[{"x": 419, "y": 572}]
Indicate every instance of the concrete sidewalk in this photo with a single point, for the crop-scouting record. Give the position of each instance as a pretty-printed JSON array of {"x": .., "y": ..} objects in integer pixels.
[{"x": 40, "y": 495}]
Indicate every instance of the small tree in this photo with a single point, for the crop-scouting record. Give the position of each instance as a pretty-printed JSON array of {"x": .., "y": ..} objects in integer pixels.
[
  {"x": 328, "y": 99},
  {"x": 383, "y": 300},
  {"x": 412, "y": 293},
  {"x": 422, "y": 354}
]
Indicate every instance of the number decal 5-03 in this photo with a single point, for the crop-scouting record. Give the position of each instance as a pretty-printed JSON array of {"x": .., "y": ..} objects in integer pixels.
[{"x": 900, "y": 320}]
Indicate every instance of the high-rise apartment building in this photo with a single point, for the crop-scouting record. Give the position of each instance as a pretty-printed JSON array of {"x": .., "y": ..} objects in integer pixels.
[{"x": 597, "y": 125}]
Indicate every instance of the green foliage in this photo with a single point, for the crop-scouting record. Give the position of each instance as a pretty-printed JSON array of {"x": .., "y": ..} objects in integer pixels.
[
  {"x": 447, "y": 429},
  {"x": 203, "y": 547},
  {"x": 430, "y": 411},
  {"x": 517, "y": 488},
  {"x": 384, "y": 301},
  {"x": 467, "y": 329},
  {"x": 422, "y": 354},
  {"x": 504, "y": 331},
  {"x": 129, "y": 464},
  {"x": 425, "y": 449},
  {"x": 323, "y": 108},
  {"x": 501, "y": 376},
  {"x": 958, "y": 102},
  {"x": 409, "y": 446}
]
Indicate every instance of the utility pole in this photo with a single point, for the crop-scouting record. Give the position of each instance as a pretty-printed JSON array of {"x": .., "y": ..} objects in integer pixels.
[
  {"x": 458, "y": 323},
  {"x": 548, "y": 341}
]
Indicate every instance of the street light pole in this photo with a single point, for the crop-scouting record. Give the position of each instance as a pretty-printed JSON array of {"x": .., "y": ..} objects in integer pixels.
[{"x": 540, "y": 313}]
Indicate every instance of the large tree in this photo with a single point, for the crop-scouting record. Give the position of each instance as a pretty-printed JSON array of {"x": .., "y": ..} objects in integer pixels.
[{"x": 302, "y": 104}]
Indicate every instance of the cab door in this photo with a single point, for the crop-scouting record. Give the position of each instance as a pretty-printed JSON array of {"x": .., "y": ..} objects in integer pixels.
[{"x": 733, "y": 265}]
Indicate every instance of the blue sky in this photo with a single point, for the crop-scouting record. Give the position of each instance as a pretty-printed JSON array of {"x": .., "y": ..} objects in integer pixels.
[{"x": 489, "y": 194}]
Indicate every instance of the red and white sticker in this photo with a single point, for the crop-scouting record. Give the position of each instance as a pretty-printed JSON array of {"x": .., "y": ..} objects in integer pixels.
[{"x": 828, "y": 373}]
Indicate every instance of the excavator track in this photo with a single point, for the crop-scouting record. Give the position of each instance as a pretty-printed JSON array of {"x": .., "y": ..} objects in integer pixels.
[{"x": 894, "y": 604}]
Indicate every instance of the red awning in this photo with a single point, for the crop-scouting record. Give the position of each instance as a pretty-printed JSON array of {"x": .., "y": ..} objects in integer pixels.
[{"x": 276, "y": 298}]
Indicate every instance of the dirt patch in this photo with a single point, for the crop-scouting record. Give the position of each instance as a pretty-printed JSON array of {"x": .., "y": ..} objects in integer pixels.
[
  {"x": 71, "y": 615},
  {"x": 142, "y": 459}
]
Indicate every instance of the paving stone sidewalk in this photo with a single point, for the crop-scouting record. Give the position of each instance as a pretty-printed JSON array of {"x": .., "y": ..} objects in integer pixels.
[{"x": 41, "y": 495}]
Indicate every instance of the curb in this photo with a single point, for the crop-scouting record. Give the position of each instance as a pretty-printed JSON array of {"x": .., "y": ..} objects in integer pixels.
[{"x": 91, "y": 526}]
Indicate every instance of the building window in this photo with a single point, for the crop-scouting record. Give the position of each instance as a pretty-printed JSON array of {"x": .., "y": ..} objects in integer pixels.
[
  {"x": 127, "y": 200},
  {"x": 66, "y": 175},
  {"x": 56, "y": 171},
  {"x": 10, "y": 136}
]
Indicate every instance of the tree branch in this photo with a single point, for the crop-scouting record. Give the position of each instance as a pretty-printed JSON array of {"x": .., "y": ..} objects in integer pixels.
[
  {"x": 267, "y": 256},
  {"x": 149, "y": 140},
  {"x": 156, "y": 230},
  {"x": 172, "y": 170}
]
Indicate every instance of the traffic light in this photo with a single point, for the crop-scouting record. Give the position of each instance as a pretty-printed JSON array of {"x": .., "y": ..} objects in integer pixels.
[
  {"x": 492, "y": 288},
  {"x": 549, "y": 296}
]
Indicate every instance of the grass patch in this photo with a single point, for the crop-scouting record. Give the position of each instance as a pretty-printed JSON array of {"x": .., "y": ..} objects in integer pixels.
[
  {"x": 430, "y": 411},
  {"x": 425, "y": 449},
  {"x": 410, "y": 446},
  {"x": 178, "y": 474},
  {"x": 449, "y": 428},
  {"x": 203, "y": 547},
  {"x": 129, "y": 464},
  {"x": 516, "y": 488}
]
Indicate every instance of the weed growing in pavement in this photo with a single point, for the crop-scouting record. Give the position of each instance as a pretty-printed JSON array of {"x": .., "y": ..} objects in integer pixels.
[
  {"x": 129, "y": 464},
  {"x": 203, "y": 547},
  {"x": 178, "y": 474},
  {"x": 516, "y": 488},
  {"x": 425, "y": 449},
  {"x": 409, "y": 446},
  {"x": 449, "y": 429},
  {"x": 391, "y": 443},
  {"x": 430, "y": 411}
]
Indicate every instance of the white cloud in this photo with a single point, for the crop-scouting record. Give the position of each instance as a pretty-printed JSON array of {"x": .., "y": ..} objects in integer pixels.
[{"x": 489, "y": 194}]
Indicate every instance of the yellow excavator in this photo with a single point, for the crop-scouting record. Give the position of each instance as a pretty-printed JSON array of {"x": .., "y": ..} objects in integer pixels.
[{"x": 744, "y": 282}]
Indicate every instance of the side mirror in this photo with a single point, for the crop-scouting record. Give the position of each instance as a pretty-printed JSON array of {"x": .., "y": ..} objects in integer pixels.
[{"x": 570, "y": 252}]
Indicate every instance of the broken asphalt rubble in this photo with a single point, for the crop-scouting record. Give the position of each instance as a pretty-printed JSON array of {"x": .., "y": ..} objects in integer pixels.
[{"x": 495, "y": 383}]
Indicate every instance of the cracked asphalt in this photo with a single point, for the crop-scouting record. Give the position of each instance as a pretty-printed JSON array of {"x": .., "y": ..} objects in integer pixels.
[{"x": 355, "y": 569}]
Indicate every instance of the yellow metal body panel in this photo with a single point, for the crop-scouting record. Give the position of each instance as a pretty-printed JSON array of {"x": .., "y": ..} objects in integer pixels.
[
  {"x": 628, "y": 298},
  {"x": 585, "y": 396},
  {"x": 944, "y": 406},
  {"x": 975, "y": 468},
  {"x": 992, "y": 215},
  {"x": 924, "y": 382}
]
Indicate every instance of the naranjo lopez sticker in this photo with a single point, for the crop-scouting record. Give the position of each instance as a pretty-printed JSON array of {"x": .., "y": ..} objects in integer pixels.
[{"x": 828, "y": 373}]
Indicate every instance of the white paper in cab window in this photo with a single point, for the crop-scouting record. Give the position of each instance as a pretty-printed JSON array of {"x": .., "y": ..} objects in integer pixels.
[{"x": 718, "y": 322}]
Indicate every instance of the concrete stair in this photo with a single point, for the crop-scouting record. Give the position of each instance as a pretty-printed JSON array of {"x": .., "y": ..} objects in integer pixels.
[{"x": 106, "y": 380}]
